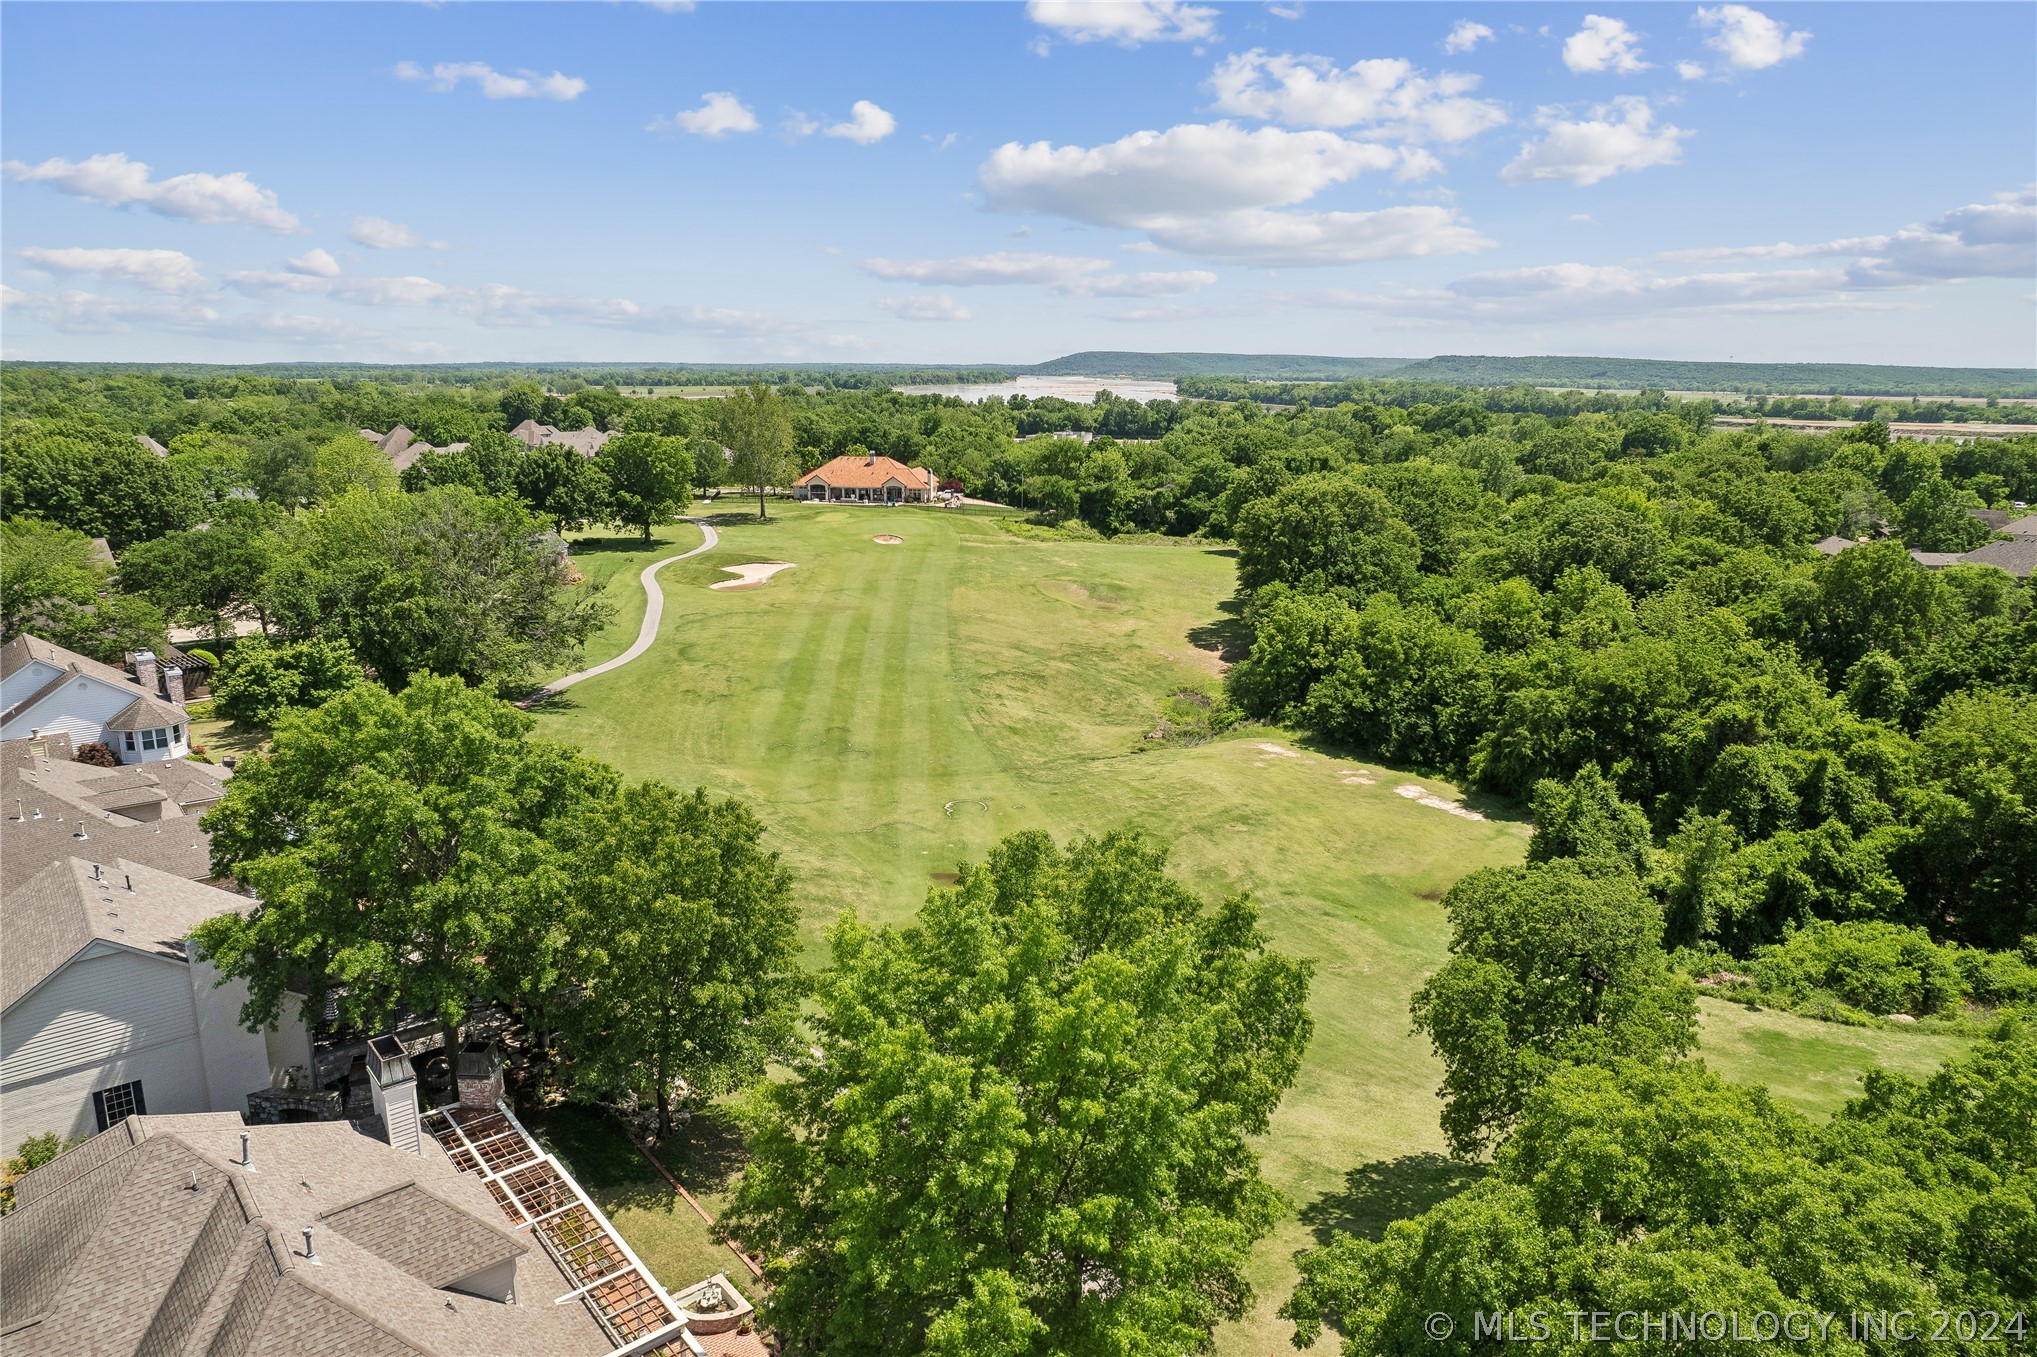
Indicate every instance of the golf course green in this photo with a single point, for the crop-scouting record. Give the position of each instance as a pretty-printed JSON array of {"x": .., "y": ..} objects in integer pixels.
[{"x": 891, "y": 709}]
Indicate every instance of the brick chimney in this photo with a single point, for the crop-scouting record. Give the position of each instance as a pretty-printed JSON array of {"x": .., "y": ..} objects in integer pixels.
[
  {"x": 145, "y": 670},
  {"x": 173, "y": 685}
]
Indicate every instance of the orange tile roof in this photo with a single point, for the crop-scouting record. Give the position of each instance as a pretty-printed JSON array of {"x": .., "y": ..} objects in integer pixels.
[{"x": 860, "y": 473}]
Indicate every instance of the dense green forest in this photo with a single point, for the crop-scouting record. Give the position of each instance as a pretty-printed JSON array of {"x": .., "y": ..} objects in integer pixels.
[{"x": 1822, "y": 379}]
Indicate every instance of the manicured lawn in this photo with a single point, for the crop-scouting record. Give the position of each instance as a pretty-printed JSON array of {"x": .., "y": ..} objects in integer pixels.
[
  {"x": 1814, "y": 1065},
  {"x": 673, "y": 1242},
  {"x": 891, "y": 711}
]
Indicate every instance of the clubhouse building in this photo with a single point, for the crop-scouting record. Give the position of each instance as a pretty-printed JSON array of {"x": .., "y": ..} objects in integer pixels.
[{"x": 869, "y": 479}]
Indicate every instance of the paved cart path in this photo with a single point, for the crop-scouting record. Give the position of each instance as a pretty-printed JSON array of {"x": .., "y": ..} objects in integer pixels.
[{"x": 654, "y": 612}]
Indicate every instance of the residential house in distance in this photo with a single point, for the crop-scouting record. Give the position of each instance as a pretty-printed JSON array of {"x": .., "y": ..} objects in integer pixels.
[
  {"x": 402, "y": 447},
  {"x": 105, "y": 1011},
  {"x": 46, "y": 689},
  {"x": 586, "y": 442},
  {"x": 869, "y": 479}
]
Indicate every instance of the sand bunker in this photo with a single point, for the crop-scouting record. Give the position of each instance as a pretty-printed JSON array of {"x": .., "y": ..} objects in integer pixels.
[
  {"x": 1423, "y": 796},
  {"x": 751, "y": 576},
  {"x": 887, "y": 539}
]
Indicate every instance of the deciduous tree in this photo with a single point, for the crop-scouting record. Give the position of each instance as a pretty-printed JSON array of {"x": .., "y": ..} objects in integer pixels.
[
  {"x": 683, "y": 933},
  {"x": 757, "y": 427},
  {"x": 1026, "y": 1124}
]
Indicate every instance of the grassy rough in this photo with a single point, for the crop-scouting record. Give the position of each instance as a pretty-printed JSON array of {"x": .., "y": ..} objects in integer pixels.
[{"x": 891, "y": 711}]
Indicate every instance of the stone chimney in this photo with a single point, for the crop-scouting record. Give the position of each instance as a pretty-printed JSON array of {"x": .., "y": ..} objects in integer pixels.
[
  {"x": 479, "y": 1070},
  {"x": 145, "y": 670},
  {"x": 393, "y": 1084},
  {"x": 173, "y": 685}
]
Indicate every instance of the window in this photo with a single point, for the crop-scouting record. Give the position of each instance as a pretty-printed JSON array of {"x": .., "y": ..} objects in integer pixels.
[
  {"x": 176, "y": 733},
  {"x": 155, "y": 739},
  {"x": 130, "y": 742},
  {"x": 115, "y": 1105}
]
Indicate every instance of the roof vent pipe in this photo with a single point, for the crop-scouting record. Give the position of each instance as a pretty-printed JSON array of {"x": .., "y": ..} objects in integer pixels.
[
  {"x": 95, "y": 873},
  {"x": 309, "y": 1253},
  {"x": 246, "y": 1160},
  {"x": 129, "y": 878}
]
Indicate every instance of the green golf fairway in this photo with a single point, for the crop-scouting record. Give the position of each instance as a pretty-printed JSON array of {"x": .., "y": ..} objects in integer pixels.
[{"x": 890, "y": 711}]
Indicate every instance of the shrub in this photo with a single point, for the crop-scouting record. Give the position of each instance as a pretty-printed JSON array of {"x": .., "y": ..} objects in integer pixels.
[
  {"x": 1879, "y": 967},
  {"x": 97, "y": 754},
  {"x": 204, "y": 657},
  {"x": 33, "y": 1154},
  {"x": 261, "y": 679},
  {"x": 1999, "y": 978}
]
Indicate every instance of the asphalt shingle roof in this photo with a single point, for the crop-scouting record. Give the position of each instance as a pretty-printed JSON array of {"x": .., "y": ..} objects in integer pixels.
[
  {"x": 56, "y": 913},
  {"x": 153, "y": 1238}
]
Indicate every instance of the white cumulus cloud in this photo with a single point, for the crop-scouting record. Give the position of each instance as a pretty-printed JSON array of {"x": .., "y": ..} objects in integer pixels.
[
  {"x": 116, "y": 181},
  {"x": 719, "y": 114},
  {"x": 1386, "y": 93},
  {"x": 1125, "y": 22},
  {"x": 1749, "y": 39},
  {"x": 1618, "y": 138},
  {"x": 1603, "y": 45},
  {"x": 314, "y": 264},
  {"x": 1193, "y": 169},
  {"x": 1994, "y": 239},
  {"x": 1691, "y": 70},
  {"x": 1465, "y": 36},
  {"x": 446, "y": 76},
  {"x": 937, "y": 307},
  {"x": 379, "y": 233},
  {"x": 156, "y": 270},
  {"x": 1308, "y": 239},
  {"x": 867, "y": 124},
  {"x": 1205, "y": 190}
]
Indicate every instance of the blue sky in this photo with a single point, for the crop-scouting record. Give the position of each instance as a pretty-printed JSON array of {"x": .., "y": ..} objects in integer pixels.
[{"x": 1009, "y": 182}]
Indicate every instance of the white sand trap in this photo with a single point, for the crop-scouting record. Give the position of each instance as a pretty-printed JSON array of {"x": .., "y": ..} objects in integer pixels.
[
  {"x": 887, "y": 539},
  {"x": 1277, "y": 752},
  {"x": 1422, "y": 796},
  {"x": 751, "y": 576}
]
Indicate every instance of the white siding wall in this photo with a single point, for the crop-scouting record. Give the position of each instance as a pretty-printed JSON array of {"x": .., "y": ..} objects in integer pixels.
[
  {"x": 236, "y": 1060},
  {"x": 102, "y": 1020},
  {"x": 30, "y": 678},
  {"x": 81, "y": 709}
]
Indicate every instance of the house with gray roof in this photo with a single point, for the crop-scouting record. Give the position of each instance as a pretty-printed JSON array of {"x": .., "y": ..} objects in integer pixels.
[
  {"x": 106, "y": 1009},
  {"x": 46, "y": 689},
  {"x": 52, "y": 807},
  {"x": 402, "y": 447},
  {"x": 198, "y": 1234},
  {"x": 586, "y": 442}
]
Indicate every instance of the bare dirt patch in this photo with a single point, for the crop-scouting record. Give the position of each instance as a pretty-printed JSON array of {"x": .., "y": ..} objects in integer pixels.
[
  {"x": 1279, "y": 753},
  {"x": 1421, "y": 795},
  {"x": 887, "y": 539},
  {"x": 751, "y": 576}
]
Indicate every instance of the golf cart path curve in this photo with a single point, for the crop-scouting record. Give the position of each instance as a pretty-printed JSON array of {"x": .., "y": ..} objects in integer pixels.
[{"x": 654, "y": 613}]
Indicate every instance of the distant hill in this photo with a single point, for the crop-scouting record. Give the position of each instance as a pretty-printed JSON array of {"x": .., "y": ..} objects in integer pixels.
[
  {"x": 1290, "y": 367},
  {"x": 1779, "y": 379}
]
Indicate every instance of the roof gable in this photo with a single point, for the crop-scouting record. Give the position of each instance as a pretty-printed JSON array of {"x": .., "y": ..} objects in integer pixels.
[{"x": 867, "y": 473}]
